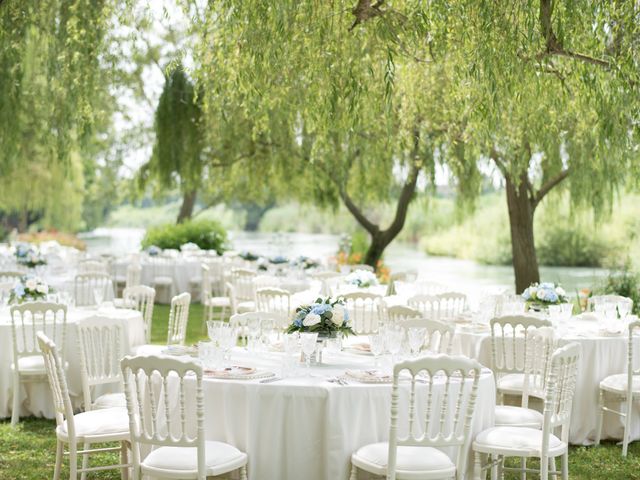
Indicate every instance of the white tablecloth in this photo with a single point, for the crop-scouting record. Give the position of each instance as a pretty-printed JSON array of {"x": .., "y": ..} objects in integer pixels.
[
  {"x": 601, "y": 356},
  {"x": 36, "y": 395},
  {"x": 183, "y": 271},
  {"x": 302, "y": 427}
]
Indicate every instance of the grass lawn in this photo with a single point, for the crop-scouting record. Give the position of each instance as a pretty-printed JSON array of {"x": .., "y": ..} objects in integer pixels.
[{"x": 28, "y": 451}]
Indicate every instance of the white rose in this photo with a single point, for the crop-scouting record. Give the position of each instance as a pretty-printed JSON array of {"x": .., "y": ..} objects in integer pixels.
[
  {"x": 560, "y": 291},
  {"x": 31, "y": 284},
  {"x": 42, "y": 288},
  {"x": 533, "y": 291},
  {"x": 311, "y": 319},
  {"x": 338, "y": 315}
]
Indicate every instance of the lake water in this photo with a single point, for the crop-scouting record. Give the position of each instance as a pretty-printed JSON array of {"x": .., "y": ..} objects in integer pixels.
[{"x": 461, "y": 274}]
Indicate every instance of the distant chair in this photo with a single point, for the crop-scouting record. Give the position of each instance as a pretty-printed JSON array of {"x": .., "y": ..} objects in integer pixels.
[
  {"x": 210, "y": 298},
  {"x": 12, "y": 276},
  {"x": 163, "y": 269},
  {"x": 101, "y": 346},
  {"x": 178, "y": 319},
  {"x": 425, "y": 287},
  {"x": 178, "y": 453},
  {"x": 107, "y": 425},
  {"x": 131, "y": 278},
  {"x": 451, "y": 304},
  {"x": 428, "y": 305},
  {"x": 276, "y": 301},
  {"x": 438, "y": 334},
  {"x": 92, "y": 266},
  {"x": 364, "y": 311},
  {"x": 244, "y": 290},
  {"x": 88, "y": 285},
  {"x": 399, "y": 313},
  {"x": 141, "y": 298},
  {"x": 28, "y": 365}
]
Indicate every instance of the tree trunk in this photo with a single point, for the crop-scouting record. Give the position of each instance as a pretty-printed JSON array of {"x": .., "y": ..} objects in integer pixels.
[
  {"x": 521, "y": 210},
  {"x": 254, "y": 216},
  {"x": 379, "y": 243},
  {"x": 188, "y": 202}
]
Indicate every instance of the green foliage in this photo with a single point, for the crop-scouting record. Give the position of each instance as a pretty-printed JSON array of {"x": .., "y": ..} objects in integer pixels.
[
  {"x": 208, "y": 235},
  {"x": 625, "y": 283}
]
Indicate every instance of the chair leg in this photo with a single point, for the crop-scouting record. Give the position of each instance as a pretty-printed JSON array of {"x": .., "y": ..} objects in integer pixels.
[
  {"x": 124, "y": 459},
  {"x": 73, "y": 461},
  {"x": 15, "y": 411},
  {"x": 544, "y": 468},
  {"x": 627, "y": 425},
  {"x": 477, "y": 466},
  {"x": 85, "y": 461},
  {"x": 354, "y": 472},
  {"x": 565, "y": 466},
  {"x": 494, "y": 467},
  {"x": 523, "y": 466},
  {"x": 243, "y": 473},
  {"x": 552, "y": 468},
  {"x": 600, "y": 417},
  {"x": 59, "y": 454}
]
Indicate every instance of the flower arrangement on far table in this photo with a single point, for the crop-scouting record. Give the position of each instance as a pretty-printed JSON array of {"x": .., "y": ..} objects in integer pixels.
[
  {"x": 278, "y": 260},
  {"x": 153, "y": 251},
  {"x": 248, "y": 256},
  {"x": 305, "y": 262},
  {"x": 325, "y": 316},
  {"x": 29, "y": 289},
  {"x": 544, "y": 294},
  {"x": 362, "y": 278},
  {"x": 28, "y": 256}
]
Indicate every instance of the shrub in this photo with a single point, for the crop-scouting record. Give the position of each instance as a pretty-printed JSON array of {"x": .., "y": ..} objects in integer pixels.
[
  {"x": 571, "y": 246},
  {"x": 625, "y": 283},
  {"x": 207, "y": 234}
]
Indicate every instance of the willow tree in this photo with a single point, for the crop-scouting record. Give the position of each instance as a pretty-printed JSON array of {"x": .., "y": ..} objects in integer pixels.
[
  {"x": 320, "y": 100},
  {"x": 176, "y": 159}
]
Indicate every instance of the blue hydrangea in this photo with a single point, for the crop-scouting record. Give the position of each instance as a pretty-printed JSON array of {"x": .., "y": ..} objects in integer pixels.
[
  {"x": 526, "y": 294},
  {"x": 297, "y": 322},
  {"x": 19, "y": 290},
  {"x": 320, "y": 308}
]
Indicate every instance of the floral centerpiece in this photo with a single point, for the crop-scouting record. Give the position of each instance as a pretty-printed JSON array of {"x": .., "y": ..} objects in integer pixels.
[
  {"x": 248, "y": 256},
  {"x": 29, "y": 289},
  {"x": 325, "y": 316},
  {"x": 153, "y": 251},
  {"x": 362, "y": 278},
  {"x": 305, "y": 262},
  {"x": 542, "y": 295},
  {"x": 278, "y": 260},
  {"x": 28, "y": 256}
]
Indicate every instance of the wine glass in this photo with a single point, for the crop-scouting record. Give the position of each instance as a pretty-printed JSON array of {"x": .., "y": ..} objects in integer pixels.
[
  {"x": 394, "y": 342},
  {"x": 98, "y": 295},
  {"x": 291, "y": 345},
  {"x": 376, "y": 344},
  {"x": 253, "y": 327},
  {"x": 416, "y": 339},
  {"x": 308, "y": 340}
]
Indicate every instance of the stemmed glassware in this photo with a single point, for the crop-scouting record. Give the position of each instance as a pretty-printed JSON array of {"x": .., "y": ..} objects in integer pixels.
[
  {"x": 394, "y": 342},
  {"x": 377, "y": 346},
  {"x": 291, "y": 345},
  {"x": 98, "y": 295},
  {"x": 309, "y": 341},
  {"x": 416, "y": 339},
  {"x": 253, "y": 327}
]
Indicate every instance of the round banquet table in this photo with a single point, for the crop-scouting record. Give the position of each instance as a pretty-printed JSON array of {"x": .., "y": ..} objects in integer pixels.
[
  {"x": 184, "y": 270},
  {"x": 306, "y": 427},
  {"x": 603, "y": 354},
  {"x": 36, "y": 395}
]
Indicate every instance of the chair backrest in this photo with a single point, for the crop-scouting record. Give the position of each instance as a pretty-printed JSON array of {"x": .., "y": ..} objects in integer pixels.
[
  {"x": 92, "y": 266},
  {"x": 541, "y": 345},
  {"x": 364, "y": 311},
  {"x": 101, "y": 346},
  {"x": 134, "y": 275},
  {"x": 178, "y": 318},
  {"x": 31, "y": 317},
  {"x": 54, "y": 367},
  {"x": 87, "y": 283},
  {"x": 141, "y": 298},
  {"x": 277, "y": 301},
  {"x": 242, "y": 281},
  {"x": 425, "y": 287},
  {"x": 450, "y": 391},
  {"x": 561, "y": 386},
  {"x": 241, "y": 321},
  {"x": 598, "y": 299},
  {"x": 10, "y": 276},
  {"x": 212, "y": 278},
  {"x": 451, "y": 304},
  {"x": 399, "y": 313},
  {"x": 162, "y": 402},
  {"x": 438, "y": 334},
  {"x": 428, "y": 305},
  {"x": 509, "y": 336},
  {"x": 162, "y": 266}
]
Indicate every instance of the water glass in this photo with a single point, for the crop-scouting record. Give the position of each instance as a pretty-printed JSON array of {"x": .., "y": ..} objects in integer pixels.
[
  {"x": 377, "y": 346},
  {"x": 309, "y": 341},
  {"x": 416, "y": 339},
  {"x": 98, "y": 295},
  {"x": 394, "y": 342}
]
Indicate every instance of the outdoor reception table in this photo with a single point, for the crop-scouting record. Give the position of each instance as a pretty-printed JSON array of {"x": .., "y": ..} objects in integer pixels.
[
  {"x": 38, "y": 401},
  {"x": 603, "y": 354},
  {"x": 184, "y": 270},
  {"x": 307, "y": 427}
]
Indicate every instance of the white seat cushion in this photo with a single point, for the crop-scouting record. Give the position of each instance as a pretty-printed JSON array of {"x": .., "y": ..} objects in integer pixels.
[
  {"x": 374, "y": 459},
  {"x": 618, "y": 384},
  {"x": 511, "y": 383},
  {"x": 517, "y": 417},
  {"x": 220, "y": 458},
  {"x": 248, "y": 306},
  {"x": 110, "y": 400},
  {"x": 517, "y": 441},
  {"x": 32, "y": 365},
  {"x": 218, "y": 302},
  {"x": 94, "y": 423}
]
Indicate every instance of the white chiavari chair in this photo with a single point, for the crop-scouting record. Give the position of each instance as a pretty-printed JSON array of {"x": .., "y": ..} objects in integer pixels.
[
  {"x": 451, "y": 304},
  {"x": 141, "y": 298},
  {"x": 438, "y": 334},
  {"x": 624, "y": 387},
  {"x": 10, "y": 276},
  {"x": 28, "y": 365},
  {"x": 101, "y": 347},
  {"x": 92, "y": 266},
  {"x": 181, "y": 450},
  {"x": 527, "y": 442},
  {"x": 425, "y": 287},
  {"x": 399, "y": 313},
  {"x": 107, "y": 425},
  {"x": 211, "y": 301},
  {"x": 509, "y": 352},
  {"x": 276, "y": 301},
  {"x": 428, "y": 305},
  {"x": 163, "y": 271},
  {"x": 243, "y": 291},
  {"x": 178, "y": 319},
  {"x": 365, "y": 311},
  {"x": 88, "y": 285},
  {"x": 445, "y": 422}
]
